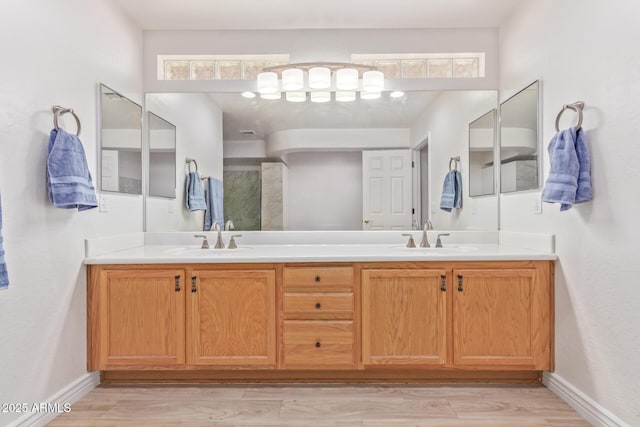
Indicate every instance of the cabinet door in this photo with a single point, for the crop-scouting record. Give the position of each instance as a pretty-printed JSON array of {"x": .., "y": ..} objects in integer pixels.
[
  {"x": 404, "y": 317},
  {"x": 501, "y": 318},
  {"x": 140, "y": 318},
  {"x": 232, "y": 315}
]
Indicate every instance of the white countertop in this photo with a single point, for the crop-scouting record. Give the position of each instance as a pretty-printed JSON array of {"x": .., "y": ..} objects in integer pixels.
[{"x": 281, "y": 253}]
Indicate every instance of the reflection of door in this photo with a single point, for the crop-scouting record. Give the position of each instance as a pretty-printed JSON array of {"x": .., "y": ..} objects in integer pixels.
[
  {"x": 386, "y": 190},
  {"x": 109, "y": 166}
]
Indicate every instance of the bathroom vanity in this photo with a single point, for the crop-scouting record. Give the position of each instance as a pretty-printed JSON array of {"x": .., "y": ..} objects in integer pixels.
[{"x": 288, "y": 312}]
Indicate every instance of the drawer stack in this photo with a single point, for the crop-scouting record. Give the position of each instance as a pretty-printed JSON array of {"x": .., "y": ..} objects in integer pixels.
[{"x": 318, "y": 311}]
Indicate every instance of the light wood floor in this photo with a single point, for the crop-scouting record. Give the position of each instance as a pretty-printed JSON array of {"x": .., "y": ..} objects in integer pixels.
[{"x": 321, "y": 405}]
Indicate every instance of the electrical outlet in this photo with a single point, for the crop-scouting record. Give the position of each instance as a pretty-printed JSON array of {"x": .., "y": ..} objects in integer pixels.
[
  {"x": 537, "y": 206},
  {"x": 103, "y": 205}
]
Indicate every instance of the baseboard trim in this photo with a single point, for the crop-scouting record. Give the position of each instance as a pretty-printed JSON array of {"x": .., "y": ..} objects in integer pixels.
[
  {"x": 69, "y": 394},
  {"x": 591, "y": 410}
]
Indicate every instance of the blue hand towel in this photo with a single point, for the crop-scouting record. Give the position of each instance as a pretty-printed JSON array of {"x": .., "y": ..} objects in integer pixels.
[
  {"x": 68, "y": 178},
  {"x": 214, "y": 198},
  {"x": 4, "y": 277},
  {"x": 569, "y": 180},
  {"x": 194, "y": 193},
  {"x": 451, "y": 191}
]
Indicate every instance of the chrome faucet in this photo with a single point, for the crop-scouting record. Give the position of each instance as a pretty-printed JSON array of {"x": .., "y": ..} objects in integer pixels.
[
  {"x": 205, "y": 242},
  {"x": 439, "y": 242},
  {"x": 229, "y": 225},
  {"x": 410, "y": 243},
  {"x": 425, "y": 241},
  {"x": 219, "y": 241},
  {"x": 232, "y": 242}
]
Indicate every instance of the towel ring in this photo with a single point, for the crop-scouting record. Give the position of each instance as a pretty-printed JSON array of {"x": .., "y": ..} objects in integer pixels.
[
  {"x": 456, "y": 160},
  {"x": 577, "y": 107},
  {"x": 189, "y": 161},
  {"x": 59, "y": 111}
]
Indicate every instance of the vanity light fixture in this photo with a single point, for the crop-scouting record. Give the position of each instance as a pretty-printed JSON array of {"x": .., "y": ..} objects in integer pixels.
[
  {"x": 321, "y": 79},
  {"x": 249, "y": 94}
]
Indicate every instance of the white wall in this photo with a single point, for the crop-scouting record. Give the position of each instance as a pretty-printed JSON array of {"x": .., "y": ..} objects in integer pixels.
[
  {"x": 198, "y": 123},
  {"x": 245, "y": 149},
  {"x": 587, "y": 50},
  {"x": 54, "y": 53},
  {"x": 292, "y": 140},
  {"x": 320, "y": 45},
  {"x": 445, "y": 123},
  {"x": 325, "y": 191}
]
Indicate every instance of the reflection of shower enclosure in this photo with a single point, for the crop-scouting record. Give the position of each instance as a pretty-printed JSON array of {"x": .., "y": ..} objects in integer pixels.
[{"x": 254, "y": 193}]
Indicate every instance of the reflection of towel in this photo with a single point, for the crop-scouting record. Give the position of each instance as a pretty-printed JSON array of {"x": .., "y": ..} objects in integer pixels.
[
  {"x": 214, "y": 199},
  {"x": 193, "y": 192},
  {"x": 569, "y": 180},
  {"x": 451, "y": 191},
  {"x": 4, "y": 278},
  {"x": 68, "y": 178}
]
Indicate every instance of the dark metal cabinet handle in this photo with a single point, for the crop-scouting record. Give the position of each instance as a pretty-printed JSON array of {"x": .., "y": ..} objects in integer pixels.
[
  {"x": 443, "y": 283},
  {"x": 317, "y": 278},
  {"x": 460, "y": 289},
  {"x": 318, "y": 345},
  {"x": 177, "y": 283},
  {"x": 193, "y": 284},
  {"x": 318, "y": 305}
]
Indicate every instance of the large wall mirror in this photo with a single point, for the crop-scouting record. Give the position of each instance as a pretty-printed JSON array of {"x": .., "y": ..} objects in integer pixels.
[
  {"x": 519, "y": 143},
  {"x": 162, "y": 157},
  {"x": 482, "y": 148},
  {"x": 324, "y": 166},
  {"x": 120, "y": 143}
]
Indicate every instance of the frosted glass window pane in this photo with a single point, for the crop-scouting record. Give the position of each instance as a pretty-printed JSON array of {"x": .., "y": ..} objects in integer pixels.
[
  {"x": 202, "y": 70},
  {"x": 228, "y": 70},
  {"x": 176, "y": 70},
  {"x": 467, "y": 67},
  {"x": 439, "y": 68},
  {"x": 251, "y": 69},
  {"x": 390, "y": 68},
  {"x": 414, "y": 69}
]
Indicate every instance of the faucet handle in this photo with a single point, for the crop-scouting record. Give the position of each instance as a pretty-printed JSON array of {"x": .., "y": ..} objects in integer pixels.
[
  {"x": 439, "y": 242},
  {"x": 410, "y": 243},
  {"x": 232, "y": 242},
  {"x": 205, "y": 242}
]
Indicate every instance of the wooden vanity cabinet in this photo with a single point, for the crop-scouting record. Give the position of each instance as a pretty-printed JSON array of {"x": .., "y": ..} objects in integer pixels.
[
  {"x": 502, "y": 317},
  {"x": 136, "y": 318},
  {"x": 404, "y": 317},
  {"x": 231, "y": 318}
]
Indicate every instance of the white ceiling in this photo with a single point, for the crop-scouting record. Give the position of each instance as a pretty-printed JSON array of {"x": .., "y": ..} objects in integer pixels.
[
  {"x": 267, "y": 117},
  {"x": 318, "y": 14}
]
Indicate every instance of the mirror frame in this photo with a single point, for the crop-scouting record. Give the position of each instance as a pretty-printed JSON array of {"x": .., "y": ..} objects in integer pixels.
[
  {"x": 495, "y": 150},
  {"x": 539, "y": 145},
  {"x": 148, "y": 151},
  {"x": 99, "y": 141}
]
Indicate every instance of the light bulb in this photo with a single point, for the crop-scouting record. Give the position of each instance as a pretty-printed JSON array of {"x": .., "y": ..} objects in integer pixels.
[
  {"x": 292, "y": 79},
  {"x": 372, "y": 81},
  {"x": 347, "y": 79},
  {"x": 319, "y": 78},
  {"x": 267, "y": 82}
]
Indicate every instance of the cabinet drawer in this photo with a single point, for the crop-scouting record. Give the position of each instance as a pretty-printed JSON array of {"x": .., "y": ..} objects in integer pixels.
[
  {"x": 318, "y": 279},
  {"x": 318, "y": 306},
  {"x": 318, "y": 345}
]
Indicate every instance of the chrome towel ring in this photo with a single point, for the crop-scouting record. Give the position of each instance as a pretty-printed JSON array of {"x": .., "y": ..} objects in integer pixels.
[
  {"x": 59, "y": 111},
  {"x": 456, "y": 160},
  {"x": 189, "y": 161},
  {"x": 577, "y": 107}
]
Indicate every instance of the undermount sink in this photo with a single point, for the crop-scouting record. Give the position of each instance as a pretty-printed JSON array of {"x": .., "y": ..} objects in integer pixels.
[
  {"x": 433, "y": 249},
  {"x": 205, "y": 252}
]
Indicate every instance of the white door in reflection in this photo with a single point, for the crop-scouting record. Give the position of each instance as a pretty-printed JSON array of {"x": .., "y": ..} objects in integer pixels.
[{"x": 386, "y": 190}]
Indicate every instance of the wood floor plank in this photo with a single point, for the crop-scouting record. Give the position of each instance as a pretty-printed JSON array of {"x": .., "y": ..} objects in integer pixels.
[{"x": 190, "y": 405}]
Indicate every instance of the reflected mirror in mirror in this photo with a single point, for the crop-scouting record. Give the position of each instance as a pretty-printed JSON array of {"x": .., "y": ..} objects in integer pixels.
[
  {"x": 482, "y": 155},
  {"x": 519, "y": 145},
  {"x": 162, "y": 157},
  {"x": 120, "y": 143},
  {"x": 325, "y": 166}
]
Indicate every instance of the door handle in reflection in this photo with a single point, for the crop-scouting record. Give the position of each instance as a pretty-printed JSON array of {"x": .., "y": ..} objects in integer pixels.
[{"x": 366, "y": 221}]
